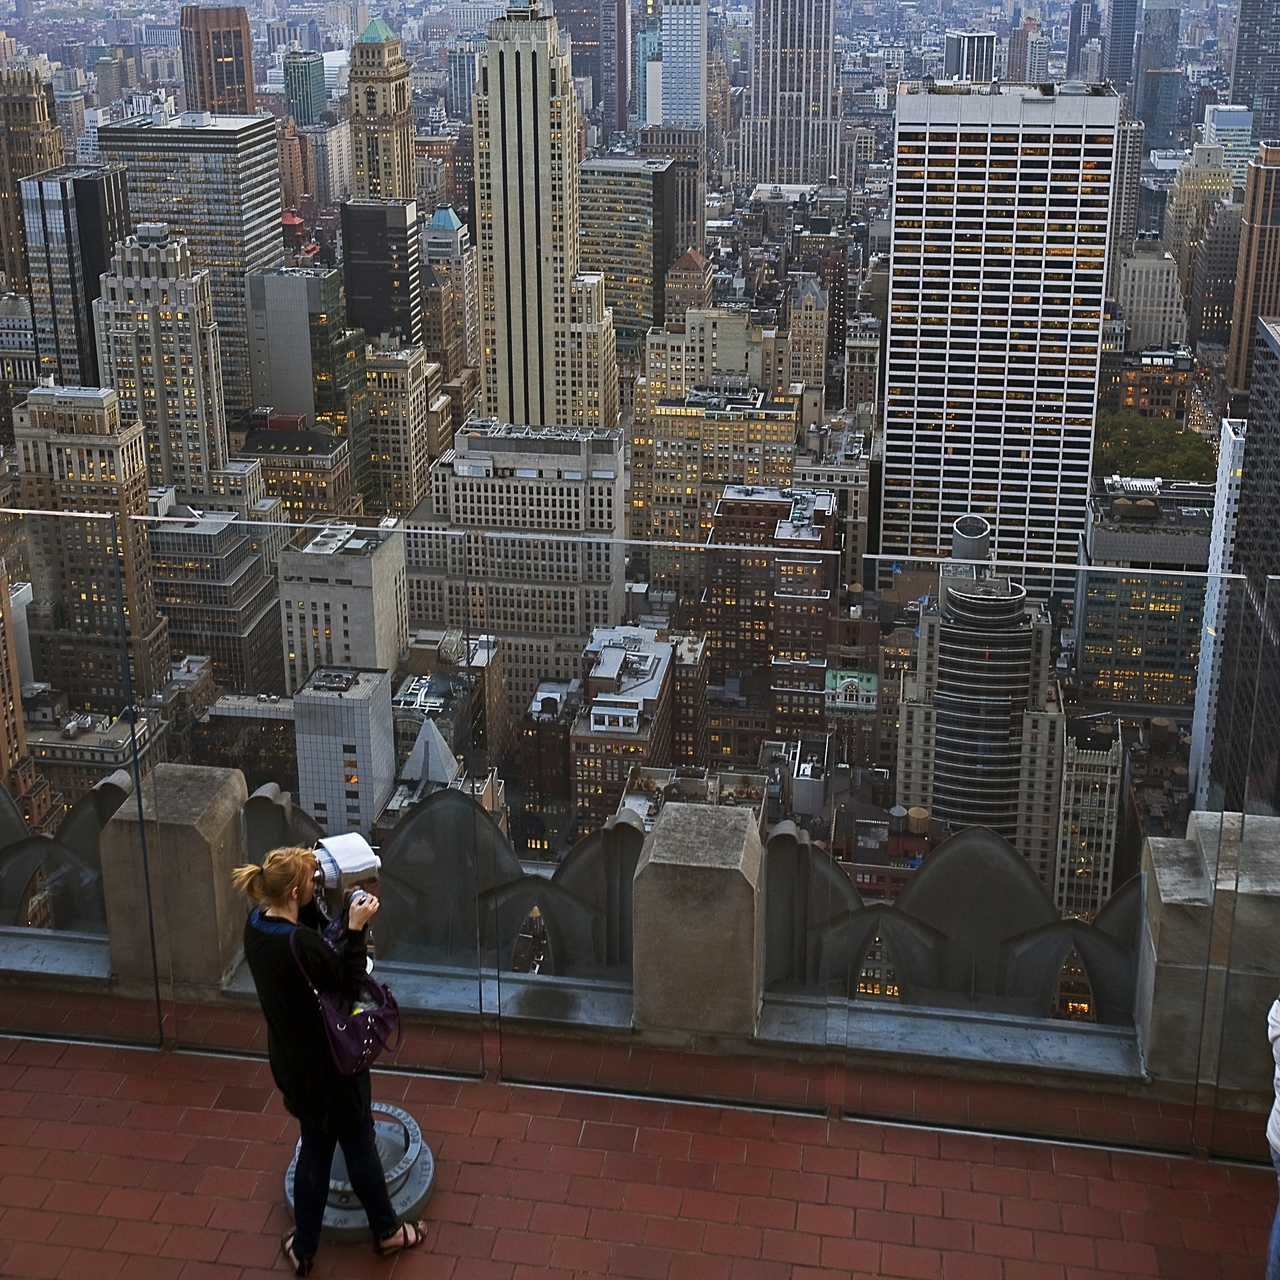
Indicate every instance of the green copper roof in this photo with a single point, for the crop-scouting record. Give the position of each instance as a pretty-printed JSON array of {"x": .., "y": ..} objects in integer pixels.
[{"x": 377, "y": 32}]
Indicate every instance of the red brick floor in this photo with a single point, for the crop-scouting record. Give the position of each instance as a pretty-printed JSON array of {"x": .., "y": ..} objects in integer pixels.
[{"x": 135, "y": 1164}]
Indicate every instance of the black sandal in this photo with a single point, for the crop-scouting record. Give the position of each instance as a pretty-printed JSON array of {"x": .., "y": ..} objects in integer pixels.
[
  {"x": 383, "y": 1248},
  {"x": 301, "y": 1267}
]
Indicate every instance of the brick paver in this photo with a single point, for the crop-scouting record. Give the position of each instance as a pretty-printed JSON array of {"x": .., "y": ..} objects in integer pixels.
[{"x": 138, "y": 1165}]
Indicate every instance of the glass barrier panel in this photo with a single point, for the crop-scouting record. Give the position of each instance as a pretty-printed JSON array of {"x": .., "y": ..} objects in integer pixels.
[
  {"x": 78, "y": 930},
  {"x": 322, "y": 710}
]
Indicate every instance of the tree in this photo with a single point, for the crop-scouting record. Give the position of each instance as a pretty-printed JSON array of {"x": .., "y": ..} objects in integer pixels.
[{"x": 1127, "y": 444}]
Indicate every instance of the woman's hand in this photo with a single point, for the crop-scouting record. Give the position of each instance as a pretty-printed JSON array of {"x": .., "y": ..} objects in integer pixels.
[{"x": 362, "y": 908}]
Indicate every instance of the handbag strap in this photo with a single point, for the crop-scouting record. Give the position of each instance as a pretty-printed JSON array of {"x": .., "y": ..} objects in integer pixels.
[{"x": 293, "y": 947}]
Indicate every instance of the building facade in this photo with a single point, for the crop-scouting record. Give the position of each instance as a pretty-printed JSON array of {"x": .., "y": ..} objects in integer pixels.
[
  {"x": 409, "y": 424},
  {"x": 304, "y": 88},
  {"x": 94, "y": 629},
  {"x": 217, "y": 60},
  {"x": 343, "y": 601},
  {"x": 968, "y": 403},
  {"x": 1258, "y": 267},
  {"x": 381, "y": 117},
  {"x": 522, "y": 538},
  {"x": 528, "y": 226},
  {"x": 214, "y": 180},
  {"x": 30, "y": 142},
  {"x": 74, "y": 218},
  {"x": 158, "y": 348},
  {"x": 684, "y": 63},
  {"x": 381, "y": 270}
]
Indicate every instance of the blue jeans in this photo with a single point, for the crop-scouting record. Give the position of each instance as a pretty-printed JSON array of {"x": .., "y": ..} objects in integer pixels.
[
  {"x": 1273, "y": 1252},
  {"x": 311, "y": 1185}
]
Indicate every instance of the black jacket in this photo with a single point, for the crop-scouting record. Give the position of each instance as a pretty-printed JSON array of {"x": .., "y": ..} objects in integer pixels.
[{"x": 297, "y": 1046}]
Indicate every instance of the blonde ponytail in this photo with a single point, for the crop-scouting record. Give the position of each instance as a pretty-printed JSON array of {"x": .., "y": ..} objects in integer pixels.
[{"x": 282, "y": 871}]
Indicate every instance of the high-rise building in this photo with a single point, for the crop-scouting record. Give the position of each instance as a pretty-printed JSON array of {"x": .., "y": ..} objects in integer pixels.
[
  {"x": 1246, "y": 717},
  {"x": 1088, "y": 826},
  {"x": 494, "y": 542},
  {"x": 791, "y": 129},
  {"x": 304, "y": 87},
  {"x": 93, "y": 625},
  {"x": 982, "y": 730},
  {"x": 1257, "y": 291},
  {"x": 649, "y": 62},
  {"x": 217, "y": 594},
  {"x": 1126, "y": 183},
  {"x": 460, "y": 86},
  {"x": 381, "y": 117},
  {"x": 1162, "y": 95},
  {"x": 615, "y": 62},
  {"x": 1122, "y": 25},
  {"x": 314, "y": 369},
  {"x": 970, "y": 55},
  {"x": 684, "y": 63},
  {"x": 217, "y": 60},
  {"x": 307, "y": 472},
  {"x": 687, "y": 147},
  {"x": 74, "y": 218},
  {"x": 440, "y": 334},
  {"x": 1084, "y": 25},
  {"x": 1213, "y": 278},
  {"x": 685, "y": 448},
  {"x": 1200, "y": 185},
  {"x": 1156, "y": 51},
  {"x": 447, "y": 248},
  {"x": 1039, "y": 46},
  {"x": 527, "y": 217},
  {"x": 580, "y": 20},
  {"x": 343, "y": 600},
  {"x": 988, "y": 411},
  {"x": 1139, "y": 633},
  {"x": 688, "y": 285},
  {"x": 30, "y": 142},
  {"x": 19, "y": 363},
  {"x": 409, "y": 424},
  {"x": 380, "y": 268},
  {"x": 1149, "y": 297},
  {"x": 1231, "y": 128},
  {"x": 1255, "y": 68},
  {"x": 809, "y": 305},
  {"x": 627, "y": 220},
  {"x": 328, "y": 149},
  {"x": 158, "y": 348},
  {"x": 214, "y": 180},
  {"x": 346, "y": 746},
  {"x": 1222, "y": 542}
]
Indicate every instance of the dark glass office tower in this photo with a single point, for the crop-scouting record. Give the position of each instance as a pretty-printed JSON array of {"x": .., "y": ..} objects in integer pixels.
[
  {"x": 381, "y": 271},
  {"x": 74, "y": 217},
  {"x": 1245, "y": 769},
  {"x": 1122, "y": 22},
  {"x": 1255, "y": 73}
]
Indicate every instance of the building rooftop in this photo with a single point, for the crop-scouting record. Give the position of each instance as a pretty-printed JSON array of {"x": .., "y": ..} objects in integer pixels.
[
  {"x": 377, "y": 32},
  {"x": 344, "y": 540},
  {"x": 327, "y": 683},
  {"x": 266, "y": 443}
]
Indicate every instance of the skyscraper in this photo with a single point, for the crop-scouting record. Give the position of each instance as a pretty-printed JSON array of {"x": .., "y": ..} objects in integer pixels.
[
  {"x": 1258, "y": 269},
  {"x": 1199, "y": 186},
  {"x": 684, "y": 63},
  {"x": 791, "y": 130},
  {"x": 970, "y": 55},
  {"x": 615, "y": 62},
  {"x": 304, "y": 86},
  {"x": 93, "y": 623},
  {"x": 30, "y": 142},
  {"x": 527, "y": 220},
  {"x": 991, "y": 396},
  {"x": 1084, "y": 26},
  {"x": 214, "y": 180},
  {"x": 1124, "y": 203},
  {"x": 581, "y": 20},
  {"x": 158, "y": 348},
  {"x": 381, "y": 116},
  {"x": 74, "y": 218},
  {"x": 217, "y": 60},
  {"x": 1157, "y": 51},
  {"x": 1255, "y": 69},
  {"x": 628, "y": 226},
  {"x": 380, "y": 267},
  {"x": 1231, "y": 128},
  {"x": 447, "y": 247},
  {"x": 687, "y": 146},
  {"x": 1122, "y": 23},
  {"x": 461, "y": 82},
  {"x": 409, "y": 424},
  {"x": 314, "y": 367}
]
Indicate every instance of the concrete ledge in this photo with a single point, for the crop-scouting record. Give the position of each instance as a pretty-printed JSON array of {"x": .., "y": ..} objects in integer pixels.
[
  {"x": 54, "y": 955},
  {"x": 930, "y": 1036}
]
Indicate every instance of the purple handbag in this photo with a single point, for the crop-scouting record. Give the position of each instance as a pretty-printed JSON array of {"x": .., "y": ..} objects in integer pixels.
[{"x": 357, "y": 1030}]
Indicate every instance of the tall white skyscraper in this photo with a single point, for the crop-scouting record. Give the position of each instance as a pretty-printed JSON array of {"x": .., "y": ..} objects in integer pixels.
[
  {"x": 996, "y": 307},
  {"x": 684, "y": 63},
  {"x": 154, "y": 317},
  {"x": 526, "y": 167},
  {"x": 792, "y": 124}
]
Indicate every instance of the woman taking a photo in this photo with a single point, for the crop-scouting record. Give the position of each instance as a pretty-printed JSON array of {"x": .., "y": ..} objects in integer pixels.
[{"x": 281, "y": 939}]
